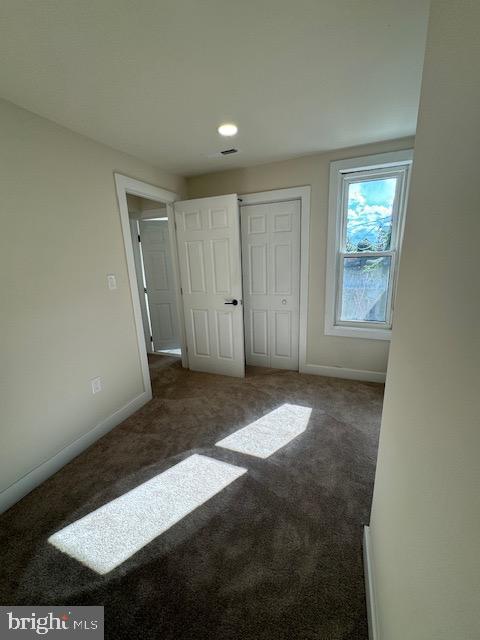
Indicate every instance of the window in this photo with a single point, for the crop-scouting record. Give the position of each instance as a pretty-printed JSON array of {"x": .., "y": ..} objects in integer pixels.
[{"x": 366, "y": 213}]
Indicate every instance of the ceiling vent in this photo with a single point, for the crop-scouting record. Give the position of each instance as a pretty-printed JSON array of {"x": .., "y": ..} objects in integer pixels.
[{"x": 223, "y": 154}]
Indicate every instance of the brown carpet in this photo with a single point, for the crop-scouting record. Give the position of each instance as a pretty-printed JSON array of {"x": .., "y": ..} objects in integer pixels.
[{"x": 276, "y": 555}]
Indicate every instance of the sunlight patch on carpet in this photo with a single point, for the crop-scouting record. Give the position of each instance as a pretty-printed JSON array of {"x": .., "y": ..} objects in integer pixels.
[
  {"x": 269, "y": 433},
  {"x": 105, "y": 538}
]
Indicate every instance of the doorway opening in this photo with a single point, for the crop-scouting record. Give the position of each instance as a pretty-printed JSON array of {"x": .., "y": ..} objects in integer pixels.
[
  {"x": 154, "y": 273},
  {"x": 147, "y": 209}
]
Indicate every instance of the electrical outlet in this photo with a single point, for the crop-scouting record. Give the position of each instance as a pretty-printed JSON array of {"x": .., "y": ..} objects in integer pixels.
[
  {"x": 111, "y": 281},
  {"x": 96, "y": 385}
]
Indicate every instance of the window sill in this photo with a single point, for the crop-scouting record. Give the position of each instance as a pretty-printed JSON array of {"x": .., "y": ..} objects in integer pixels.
[{"x": 359, "y": 332}]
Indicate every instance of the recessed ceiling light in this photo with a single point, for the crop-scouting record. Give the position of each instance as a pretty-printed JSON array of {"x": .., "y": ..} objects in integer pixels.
[{"x": 227, "y": 129}]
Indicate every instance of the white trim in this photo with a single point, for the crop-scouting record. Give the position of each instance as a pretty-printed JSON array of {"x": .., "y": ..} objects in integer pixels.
[
  {"x": 282, "y": 195},
  {"x": 343, "y": 372},
  {"x": 125, "y": 185},
  {"x": 377, "y": 161},
  {"x": 44, "y": 470},
  {"x": 345, "y": 331},
  {"x": 335, "y": 221},
  {"x": 373, "y": 632}
]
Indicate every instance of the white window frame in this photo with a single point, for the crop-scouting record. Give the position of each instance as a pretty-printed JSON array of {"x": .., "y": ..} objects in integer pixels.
[{"x": 342, "y": 172}]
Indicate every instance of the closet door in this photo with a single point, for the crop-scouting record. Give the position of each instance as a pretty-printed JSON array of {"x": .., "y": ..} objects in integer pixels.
[{"x": 271, "y": 283}]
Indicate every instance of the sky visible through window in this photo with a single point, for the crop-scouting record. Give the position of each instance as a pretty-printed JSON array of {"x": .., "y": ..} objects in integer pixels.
[
  {"x": 369, "y": 228},
  {"x": 369, "y": 215}
]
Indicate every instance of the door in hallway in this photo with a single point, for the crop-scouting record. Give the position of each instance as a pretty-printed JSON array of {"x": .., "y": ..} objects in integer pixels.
[
  {"x": 271, "y": 283},
  {"x": 160, "y": 285},
  {"x": 208, "y": 238}
]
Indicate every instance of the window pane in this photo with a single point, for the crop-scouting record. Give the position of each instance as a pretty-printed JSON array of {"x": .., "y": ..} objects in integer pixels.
[
  {"x": 369, "y": 215},
  {"x": 365, "y": 289}
]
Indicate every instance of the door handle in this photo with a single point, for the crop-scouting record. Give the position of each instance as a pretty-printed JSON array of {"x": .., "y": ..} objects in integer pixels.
[{"x": 234, "y": 302}]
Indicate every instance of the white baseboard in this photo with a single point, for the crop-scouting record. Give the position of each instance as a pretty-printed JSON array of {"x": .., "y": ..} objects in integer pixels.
[
  {"x": 342, "y": 372},
  {"x": 39, "y": 474},
  {"x": 370, "y": 586}
]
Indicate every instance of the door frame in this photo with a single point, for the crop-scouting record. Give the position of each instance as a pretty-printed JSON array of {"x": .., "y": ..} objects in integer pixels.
[
  {"x": 125, "y": 185},
  {"x": 282, "y": 195}
]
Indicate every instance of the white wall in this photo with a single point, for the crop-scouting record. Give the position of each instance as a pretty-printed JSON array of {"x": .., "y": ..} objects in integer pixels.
[
  {"x": 349, "y": 353},
  {"x": 425, "y": 524},
  {"x": 60, "y": 326},
  {"x": 134, "y": 204},
  {"x": 142, "y": 207}
]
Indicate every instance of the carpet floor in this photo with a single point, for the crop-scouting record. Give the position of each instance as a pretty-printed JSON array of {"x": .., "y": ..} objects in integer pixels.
[{"x": 276, "y": 555}]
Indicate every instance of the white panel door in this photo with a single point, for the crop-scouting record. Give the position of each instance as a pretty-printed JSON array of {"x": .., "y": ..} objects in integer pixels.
[
  {"x": 271, "y": 283},
  {"x": 208, "y": 238},
  {"x": 161, "y": 295}
]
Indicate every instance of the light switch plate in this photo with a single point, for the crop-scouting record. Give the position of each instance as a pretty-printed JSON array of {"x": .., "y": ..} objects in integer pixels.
[
  {"x": 96, "y": 385},
  {"x": 111, "y": 281}
]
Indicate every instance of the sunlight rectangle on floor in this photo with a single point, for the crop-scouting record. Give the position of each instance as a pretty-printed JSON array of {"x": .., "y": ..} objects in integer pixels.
[
  {"x": 105, "y": 538},
  {"x": 269, "y": 433}
]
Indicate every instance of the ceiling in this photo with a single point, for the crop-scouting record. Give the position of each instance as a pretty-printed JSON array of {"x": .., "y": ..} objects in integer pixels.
[{"x": 155, "y": 78}]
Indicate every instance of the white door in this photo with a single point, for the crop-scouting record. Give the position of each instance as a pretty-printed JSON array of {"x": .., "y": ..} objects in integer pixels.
[
  {"x": 271, "y": 283},
  {"x": 161, "y": 295},
  {"x": 208, "y": 238}
]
